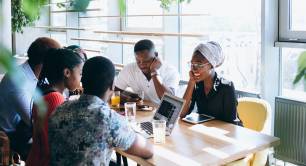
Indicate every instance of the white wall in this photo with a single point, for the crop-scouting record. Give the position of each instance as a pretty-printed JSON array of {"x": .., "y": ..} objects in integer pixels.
[{"x": 270, "y": 59}]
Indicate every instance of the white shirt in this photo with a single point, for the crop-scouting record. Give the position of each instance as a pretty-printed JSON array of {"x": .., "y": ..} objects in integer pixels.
[
  {"x": 16, "y": 101},
  {"x": 131, "y": 76}
]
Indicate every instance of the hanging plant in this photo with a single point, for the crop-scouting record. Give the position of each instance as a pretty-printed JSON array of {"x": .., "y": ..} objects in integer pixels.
[
  {"x": 78, "y": 5},
  {"x": 25, "y": 13},
  {"x": 165, "y": 4}
]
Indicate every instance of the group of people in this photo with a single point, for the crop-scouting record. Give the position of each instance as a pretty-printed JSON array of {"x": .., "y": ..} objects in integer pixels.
[{"x": 84, "y": 131}]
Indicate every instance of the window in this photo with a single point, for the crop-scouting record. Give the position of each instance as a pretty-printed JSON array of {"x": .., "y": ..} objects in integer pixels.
[
  {"x": 238, "y": 31},
  {"x": 292, "y": 28},
  {"x": 298, "y": 19},
  {"x": 289, "y": 70},
  {"x": 137, "y": 11},
  {"x": 64, "y": 17},
  {"x": 58, "y": 20},
  {"x": 90, "y": 20},
  {"x": 142, "y": 16},
  {"x": 292, "y": 20}
]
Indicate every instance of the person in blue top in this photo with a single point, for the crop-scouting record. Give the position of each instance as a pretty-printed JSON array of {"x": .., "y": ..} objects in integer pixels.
[
  {"x": 17, "y": 94},
  {"x": 210, "y": 93}
]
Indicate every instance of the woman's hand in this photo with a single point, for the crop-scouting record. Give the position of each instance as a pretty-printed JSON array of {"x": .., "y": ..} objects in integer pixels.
[{"x": 192, "y": 77}]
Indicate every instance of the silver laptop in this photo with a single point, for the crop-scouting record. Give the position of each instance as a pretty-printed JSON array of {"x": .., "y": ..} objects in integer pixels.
[{"x": 168, "y": 110}]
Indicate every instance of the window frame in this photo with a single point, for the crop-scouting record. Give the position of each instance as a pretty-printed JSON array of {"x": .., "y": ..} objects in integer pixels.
[
  {"x": 285, "y": 32},
  {"x": 125, "y": 27}
]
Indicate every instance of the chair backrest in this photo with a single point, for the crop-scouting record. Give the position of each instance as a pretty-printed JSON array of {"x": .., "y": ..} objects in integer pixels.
[
  {"x": 242, "y": 93},
  {"x": 254, "y": 113}
]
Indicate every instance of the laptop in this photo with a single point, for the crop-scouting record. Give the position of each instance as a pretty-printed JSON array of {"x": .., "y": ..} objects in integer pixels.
[{"x": 168, "y": 110}]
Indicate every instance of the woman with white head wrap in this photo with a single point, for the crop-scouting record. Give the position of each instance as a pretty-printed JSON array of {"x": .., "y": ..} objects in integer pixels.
[{"x": 211, "y": 94}]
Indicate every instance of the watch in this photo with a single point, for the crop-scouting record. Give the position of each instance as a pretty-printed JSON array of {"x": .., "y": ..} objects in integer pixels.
[{"x": 154, "y": 73}]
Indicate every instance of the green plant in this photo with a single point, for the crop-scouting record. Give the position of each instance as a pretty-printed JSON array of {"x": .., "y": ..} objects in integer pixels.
[
  {"x": 122, "y": 7},
  {"x": 165, "y": 4},
  {"x": 301, "y": 68},
  {"x": 25, "y": 13},
  {"x": 78, "y": 5}
]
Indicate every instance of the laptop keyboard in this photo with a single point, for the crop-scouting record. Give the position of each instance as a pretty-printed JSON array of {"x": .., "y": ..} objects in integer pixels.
[{"x": 147, "y": 127}]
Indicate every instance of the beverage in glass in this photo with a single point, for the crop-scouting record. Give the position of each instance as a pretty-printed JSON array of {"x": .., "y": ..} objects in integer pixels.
[
  {"x": 115, "y": 99},
  {"x": 159, "y": 131}
]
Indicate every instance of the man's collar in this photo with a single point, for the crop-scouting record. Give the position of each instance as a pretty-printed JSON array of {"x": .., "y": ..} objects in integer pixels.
[{"x": 29, "y": 71}]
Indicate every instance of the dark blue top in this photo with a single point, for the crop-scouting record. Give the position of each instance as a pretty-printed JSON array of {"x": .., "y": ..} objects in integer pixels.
[{"x": 221, "y": 101}]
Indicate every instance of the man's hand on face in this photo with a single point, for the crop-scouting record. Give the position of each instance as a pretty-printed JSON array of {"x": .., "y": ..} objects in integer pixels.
[{"x": 156, "y": 64}]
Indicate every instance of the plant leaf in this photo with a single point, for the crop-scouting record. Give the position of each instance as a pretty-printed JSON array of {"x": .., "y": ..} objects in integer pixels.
[
  {"x": 165, "y": 4},
  {"x": 122, "y": 7},
  {"x": 299, "y": 76},
  {"x": 24, "y": 13},
  {"x": 302, "y": 61},
  {"x": 60, "y": 5},
  {"x": 301, "y": 68},
  {"x": 32, "y": 7}
]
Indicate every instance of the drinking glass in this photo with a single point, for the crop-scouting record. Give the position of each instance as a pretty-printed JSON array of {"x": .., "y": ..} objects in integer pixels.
[
  {"x": 130, "y": 112},
  {"x": 159, "y": 131},
  {"x": 115, "y": 99}
]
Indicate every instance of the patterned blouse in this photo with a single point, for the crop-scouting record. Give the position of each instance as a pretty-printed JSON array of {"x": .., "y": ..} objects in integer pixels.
[{"x": 84, "y": 132}]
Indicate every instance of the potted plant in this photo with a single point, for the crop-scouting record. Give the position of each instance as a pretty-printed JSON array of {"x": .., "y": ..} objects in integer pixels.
[
  {"x": 26, "y": 12},
  {"x": 301, "y": 75}
]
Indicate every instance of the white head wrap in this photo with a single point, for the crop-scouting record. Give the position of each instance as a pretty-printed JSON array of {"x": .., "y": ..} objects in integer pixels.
[{"x": 212, "y": 51}]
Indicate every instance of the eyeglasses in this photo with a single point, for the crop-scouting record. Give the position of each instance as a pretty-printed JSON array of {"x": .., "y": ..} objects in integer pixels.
[{"x": 197, "y": 65}]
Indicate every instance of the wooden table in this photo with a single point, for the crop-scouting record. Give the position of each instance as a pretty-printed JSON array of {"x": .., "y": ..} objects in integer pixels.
[{"x": 211, "y": 143}]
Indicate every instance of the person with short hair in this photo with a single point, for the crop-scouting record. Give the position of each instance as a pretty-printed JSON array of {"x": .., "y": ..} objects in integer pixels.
[
  {"x": 85, "y": 131},
  {"x": 62, "y": 69},
  {"x": 210, "y": 93},
  {"x": 149, "y": 74},
  {"x": 16, "y": 100}
]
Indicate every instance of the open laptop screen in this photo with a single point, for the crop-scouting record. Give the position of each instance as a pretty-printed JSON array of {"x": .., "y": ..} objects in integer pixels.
[
  {"x": 169, "y": 110},
  {"x": 166, "y": 109}
]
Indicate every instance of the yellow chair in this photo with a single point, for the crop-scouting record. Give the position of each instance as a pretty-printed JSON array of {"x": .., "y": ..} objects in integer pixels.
[{"x": 255, "y": 115}]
